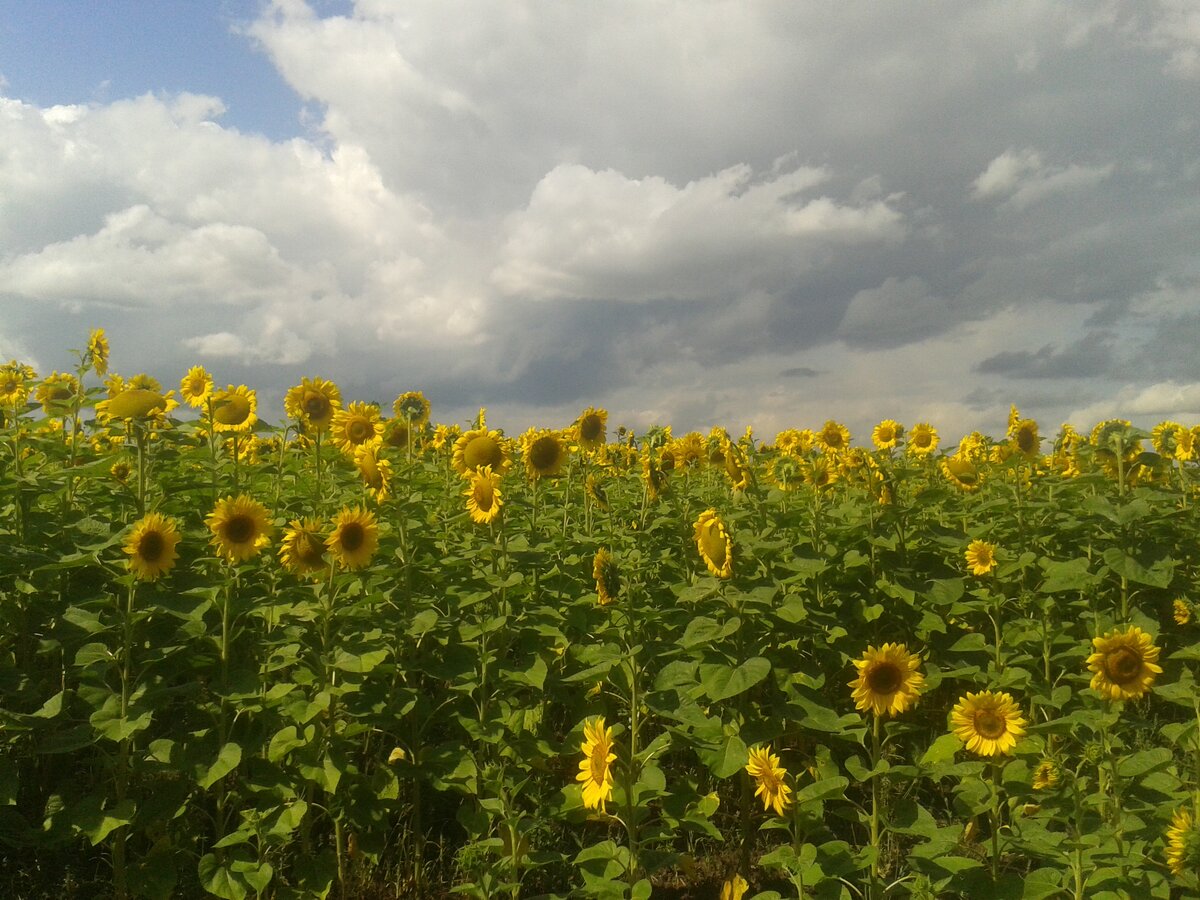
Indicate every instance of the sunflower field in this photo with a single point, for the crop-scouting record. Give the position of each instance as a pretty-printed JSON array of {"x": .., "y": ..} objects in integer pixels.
[{"x": 358, "y": 654}]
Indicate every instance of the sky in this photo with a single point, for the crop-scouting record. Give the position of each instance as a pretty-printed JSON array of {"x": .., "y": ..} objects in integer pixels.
[{"x": 709, "y": 213}]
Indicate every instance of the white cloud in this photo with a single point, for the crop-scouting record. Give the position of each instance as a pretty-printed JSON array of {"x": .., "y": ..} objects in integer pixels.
[
  {"x": 1023, "y": 178},
  {"x": 1163, "y": 400}
]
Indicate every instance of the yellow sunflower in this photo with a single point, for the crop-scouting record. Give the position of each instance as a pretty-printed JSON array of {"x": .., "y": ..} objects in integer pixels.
[
  {"x": 483, "y": 495},
  {"x": 132, "y": 403},
  {"x": 981, "y": 557},
  {"x": 734, "y": 888},
  {"x": 716, "y": 549},
  {"x": 412, "y": 407},
  {"x": 444, "y": 436},
  {"x": 888, "y": 682},
  {"x": 988, "y": 723},
  {"x": 1183, "y": 842},
  {"x": 820, "y": 473},
  {"x": 151, "y": 546},
  {"x": 607, "y": 576},
  {"x": 592, "y": 428},
  {"x": 56, "y": 391},
  {"x": 596, "y": 491},
  {"x": 14, "y": 387},
  {"x": 1125, "y": 664},
  {"x": 595, "y": 769},
  {"x": 787, "y": 472},
  {"x": 234, "y": 410},
  {"x": 922, "y": 440},
  {"x": 355, "y": 537},
  {"x": 834, "y": 437},
  {"x": 120, "y": 471},
  {"x": 655, "y": 476},
  {"x": 478, "y": 448},
  {"x": 887, "y": 434},
  {"x": 240, "y": 527},
  {"x": 356, "y": 425},
  {"x": 736, "y": 468},
  {"x": 376, "y": 471},
  {"x": 196, "y": 386},
  {"x": 961, "y": 472},
  {"x": 545, "y": 453},
  {"x": 302, "y": 550},
  {"x": 313, "y": 402},
  {"x": 1024, "y": 438},
  {"x": 769, "y": 775},
  {"x": 1046, "y": 775},
  {"x": 97, "y": 351},
  {"x": 1181, "y": 611},
  {"x": 1186, "y": 443}
]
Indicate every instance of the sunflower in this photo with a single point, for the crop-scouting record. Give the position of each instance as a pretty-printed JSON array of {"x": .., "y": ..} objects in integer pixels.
[
  {"x": 596, "y": 491},
  {"x": 787, "y": 472},
  {"x": 716, "y": 549},
  {"x": 196, "y": 386},
  {"x": 1183, "y": 842},
  {"x": 132, "y": 403},
  {"x": 355, "y": 537},
  {"x": 740, "y": 474},
  {"x": 595, "y": 769},
  {"x": 313, "y": 402},
  {"x": 887, "y": 434},
  {"x": 302, "y": 550},
  {"x": 768, "y": 774},
  {"x": 234, "y": 410},
  {"x": 962, "y": 473},
  {"x": 143, "y": 381},
  {"x": 545, "y": 453},
  {"x": 1046, "y": 775},
  {"x": 356, "y": 425},
  {"x": 608, "y": 577},
  {"x": 1024, "y": 438},
  {"x": 734, "y": 888},
  {"x": 1125, "y": 664},
  {"x": 376, "y": 471},
  {"x": 239, "y": 527},
  {"x": 820, "y": 473},
  {"x": 834, "y": 437},
  {"x": 396, "y": 433},
  {"x": 981, "y": 557},
  {"x": 1181, "y": 611},
  {"x": 655, "y": 476},
  {"x": 794, "y": 442},
  {"x": 483, "y": 495},
  {"x": 97, "y": 351},
  {"x": 151, "y": 546},
  {"x": 922, "y": 440},
  {"x": 1186, "y": 443},
  {"x": 592, "y": 428},
  {"x": 888, "y": 682},
  {"x": 14, "y": 387},
  {"x": 120, "y": 471},
  {"x": 988, "y": 723},
  {"x": 444, "y": 436},
  {"x": 412, "y": 407},
  {"x": 477, "y": 448},
  {"x": 56, "y": 391}
]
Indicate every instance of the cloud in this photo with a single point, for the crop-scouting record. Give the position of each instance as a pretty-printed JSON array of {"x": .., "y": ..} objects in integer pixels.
[
  {"x": 1023, "y": 178},
  {"x": 1163, "y": 400},
  {"x": 900, "y": 311},
  {"x": 1089, "y": 357}
]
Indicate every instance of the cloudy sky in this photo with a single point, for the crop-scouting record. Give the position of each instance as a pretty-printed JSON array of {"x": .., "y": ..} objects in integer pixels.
[{"x": 696, "y": 213}]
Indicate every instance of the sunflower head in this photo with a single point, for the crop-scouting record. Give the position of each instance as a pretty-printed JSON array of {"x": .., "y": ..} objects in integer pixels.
[
  {"x": 376, "y": 471},
  {"x": 607, "y": 576},
  {"x": 655, "y": 476},
  {"x": 1024, "y": 438},
  {"x": 484, "y": 500},
  {"x": 196, "y": 386},
  {"x": 787, "y": 472},
  {"x": 1181, "y": 611},
  {"x": 132, "y": 403},
  {"x": 821, "y": 473},
  {"x": 834, "y": 437},
  {"x": 1124, "y": 664},
  {"x": 412, "y": 407},
  {"x": 14, "y": 385},
  {"x": 736, "y": 468},
  {"x": 302, "y": 550},
  {"x": 769, "y": 776},
  {"x": 887, "y": 434},
  {"x": 151, "y": 546},
  {"x": 981, "y": 557},
  {"x": 1046, "y": 776},
  {"x": 595, "y": 769},
  {"x": 961, "y": 472},
  {"x": 888, "y": 682},
  {"x": 56, "y": 392},
  {"x": 234, "y": 410},
  {"x": 240, "y": 528},
  {"x": 596, "y": 492},
  {"x": 716, "y": 549},
  {"x": 592, "y": 428},
  {"x": 1183, "y": 842},
  {"x": 356, "y": 425},
  {"x": 545, "y": 453},
  {"x": 354, "y": 538},
  {"x": 477, "y": 448},
  {"x": 922, "y": 440},
  {"x": 988, "y": 723},
  {"x": 97, "y": 351},
  {"x": 313, "y": 402}
]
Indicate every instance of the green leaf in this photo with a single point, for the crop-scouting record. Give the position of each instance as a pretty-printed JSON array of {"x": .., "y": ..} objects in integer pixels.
[
  {"x": 706, "y": 631},
  {"x": 227, "y": 760},
  {"x": 721, "y": 682},
  {"x": 219, "y": 879},
  {"x": 942, "y": 750},
  {"x": 822, "y": 790},
  {"x": 96, "y": 822},
  {"x": 727, "y": 758},
  {"x": 359, "y": 662},
  {"x": 1159, "y": 573}
]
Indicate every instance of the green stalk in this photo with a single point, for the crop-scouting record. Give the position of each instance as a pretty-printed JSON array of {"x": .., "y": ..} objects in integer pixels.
[
  {"x": 995, "y": 816},
  {"x": 875, "y": 843}
]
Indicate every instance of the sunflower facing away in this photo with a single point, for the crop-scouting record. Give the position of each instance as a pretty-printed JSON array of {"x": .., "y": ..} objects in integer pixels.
[
  {"x": 483, "y": 495},
  {"x": 608, "y": 577},
  {"x": 1125, "y": 664},
  {"x": 355, "y": 426},
  {"x": 592, "y": 428},
  {"x": 302, "y": 550},
  {"x": 196, "y": 386},
  {"x": 412, "y": 407},
  {"x": 768, "y": 774},
  {"x": 355, "y": 537},
  {"x": 1183, "y": 842},
  {"x": 313, "y": 402},
  {"x": 131, "y": 403},
  {"x": 234, "y": 410},
  {"x": 595, "y": 769},
  {"x": 716, "y": 549},
  {"x": 239, "y": 527},
  {"x": 56, "y": 391},
  {"x": 888, "y": 682},
  {"x": 477, "y": 448},
  {"x": 545, "y": 453},
  {"x": 988, "y": 723},
  {"x": 151, "y": 546},
  {"x": 981, "y": 557}
]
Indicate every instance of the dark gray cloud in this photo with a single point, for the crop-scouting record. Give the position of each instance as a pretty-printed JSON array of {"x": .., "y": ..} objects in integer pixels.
[{"x": 1090, "y": 357}]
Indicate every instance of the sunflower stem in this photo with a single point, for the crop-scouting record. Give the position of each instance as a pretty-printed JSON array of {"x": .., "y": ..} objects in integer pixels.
[
  {"x": 995, "y": 816},
  {"x": 875, "y": 752},
  {"x": 632, "y": 771}
]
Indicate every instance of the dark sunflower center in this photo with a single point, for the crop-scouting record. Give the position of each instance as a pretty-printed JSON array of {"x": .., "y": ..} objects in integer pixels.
[
  {"x": 353, "y": 536},
  {"x": 316, "y": 405},
  {"x": 309, "y": 551},
  {"x": 886, "y": 434},
  {"x": 1026, "y": 442},
  {"x": 239, "y": 529},
  {"x": 1123, "y": 665},
  {"x": 599, "y": 762},
  {"x": 151, "y": 546},
  {"x": 481, "y": 451},
  {"x": 885, "y": 678},
  {"x": 922, "y": 439},
  {"x": 591, "y": 428},
  {"x": 714, "y": 546},
  {"x": 484, "y": 495},
  {"x": 358, "y": 431},
  {"x": 411, "y": 409},
  {"x": 989, "y": 724},
  {"x": 233, "y": 411},
  {"x": 833, "y": 438},
  {"x": 545, "y": 453}
]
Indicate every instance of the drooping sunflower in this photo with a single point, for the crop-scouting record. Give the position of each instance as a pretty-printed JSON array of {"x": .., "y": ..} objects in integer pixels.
[
  {"x": 234, "y": 410},
  {"x": 313, "y": 402},
  {"x": 988, "y": 723},
  {"x": 356, "y": 425},
  {"x": 196, "y": 386},
  {"x": 478, "y": 448},
  {"x": 714, "y": 544},
  {"x": 769, "y": 775},
  {"x": 736, "y": 468},
  {"x": 888, "y": 682},
  {"x": 97, "y": 351},
  {"x": 302, "y": 550},
  {"x": 595, "y": 769},
  {"x": 607, "y": 576},
  {"x": 1024, "y": 438},
  {"x": 922, "y": 440},
  {"x": 151, "y": 546},
  {"x": 483, "y": 495},
  {"x": 592, "y": 428},
  {"x": 887, "y": 434},
  {"x": 1124, "y": 663},
  {"x": 355, "y": 537},
  {"x": 376, "y": 471},
  {"x": 734, "y": 888},
  {"x": 834, "y": 437},
  {"x": 412, "y": 407},
  {"x": 1181, "y": 611},
  {"x": 981, "y": 557},
  {"x": 240, "y": 527},
  {"x": 1183, "y": 842},
  {"x": 961, "y": 472},
  {"x": 545, "y": 453},
  {"x": 1046, "y": 775}
]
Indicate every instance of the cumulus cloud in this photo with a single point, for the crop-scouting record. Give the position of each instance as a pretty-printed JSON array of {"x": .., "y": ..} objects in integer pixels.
[
  {"x": 1022, "y": 178},
  {"x": 899, "y": 311}
]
